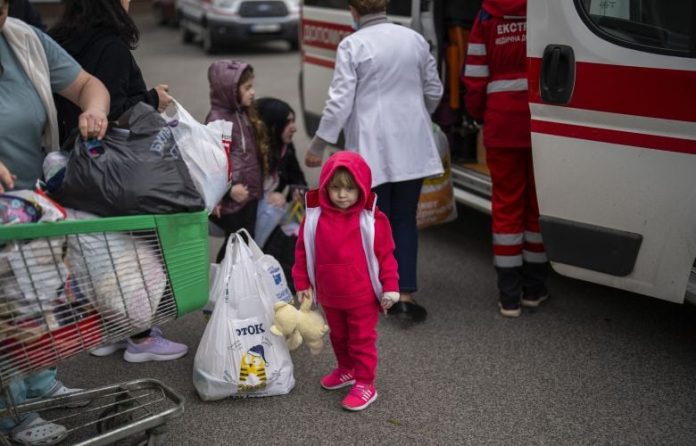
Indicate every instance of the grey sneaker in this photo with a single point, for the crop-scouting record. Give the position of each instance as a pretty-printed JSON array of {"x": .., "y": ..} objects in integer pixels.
[
  {"x": 108, "y": 349},
  {"x": 154, "y": 348}
]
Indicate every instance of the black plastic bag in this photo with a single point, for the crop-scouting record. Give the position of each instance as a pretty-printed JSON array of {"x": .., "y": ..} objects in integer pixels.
[
  {"x": 135, "y": 169},
  {"x": 282, "y": 247}
]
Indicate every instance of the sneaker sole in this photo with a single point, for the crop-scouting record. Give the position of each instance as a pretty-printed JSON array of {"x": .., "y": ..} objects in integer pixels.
[
  {"x": 339, "y": 386},
  {"x": 534, "y": 303},
  {"x": 358, "y": 408},
  {"x": 146, "y": 357},
  {"x": 106, "y": 351},
  {"x": 510, "y": 313}
]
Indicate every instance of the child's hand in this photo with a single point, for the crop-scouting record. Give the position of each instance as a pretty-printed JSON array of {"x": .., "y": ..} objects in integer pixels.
[
  {"x": 276, "y": 199},
  {"x": 239, "y": 192},
  {"x": 216, "y": 210},
  {"x": 305, "y": 294},
  {"x": 389, "y": 298}
]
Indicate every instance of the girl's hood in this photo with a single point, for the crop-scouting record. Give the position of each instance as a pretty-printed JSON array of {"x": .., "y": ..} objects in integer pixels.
[
  {"x": 356, "y": 165},
  {"x": 223, "y": 77}
]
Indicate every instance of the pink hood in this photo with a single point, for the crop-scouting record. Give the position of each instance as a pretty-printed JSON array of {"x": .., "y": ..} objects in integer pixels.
[
  {"x": 357, "y": 166},
  {"x": 501, "y": 8},
  {"x": 223, "y": 77}
]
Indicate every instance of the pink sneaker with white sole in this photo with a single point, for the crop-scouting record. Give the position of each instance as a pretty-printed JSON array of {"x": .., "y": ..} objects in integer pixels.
[
  {"x": 337, "y": 379},
  {"x": 359, "y": 397}
]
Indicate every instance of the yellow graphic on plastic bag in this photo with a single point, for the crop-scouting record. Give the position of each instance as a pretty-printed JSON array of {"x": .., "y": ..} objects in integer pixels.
[{"x": 252, "y": 372}]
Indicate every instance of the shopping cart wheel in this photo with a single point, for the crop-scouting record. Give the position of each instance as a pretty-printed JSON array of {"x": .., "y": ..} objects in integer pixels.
[{"x": 113, "y": 417}]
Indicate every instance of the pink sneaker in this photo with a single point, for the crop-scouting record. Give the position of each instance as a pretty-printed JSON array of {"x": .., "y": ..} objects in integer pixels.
[
  {"x": 337, "y": 378},
  {"x": 359, "y": 397}
]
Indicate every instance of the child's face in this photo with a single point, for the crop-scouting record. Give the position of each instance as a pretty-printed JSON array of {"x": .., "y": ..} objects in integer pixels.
[
  {"x": 289, "y": 130},
  {"x": 247, "y": 93},
  {"x": 343, "y": 197}
]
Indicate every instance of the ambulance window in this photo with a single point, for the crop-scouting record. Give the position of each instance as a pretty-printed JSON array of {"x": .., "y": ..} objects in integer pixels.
[{"x": 660, "y": 26}]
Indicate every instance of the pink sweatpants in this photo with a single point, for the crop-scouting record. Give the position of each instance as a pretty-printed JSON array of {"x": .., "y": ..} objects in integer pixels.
[{"x": 354, "y": 339}]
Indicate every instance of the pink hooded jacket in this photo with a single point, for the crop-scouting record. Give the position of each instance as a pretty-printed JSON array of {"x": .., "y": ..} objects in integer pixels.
[
  {"x": 245, "y": 160},
  {"x": 341, "y": 270}
]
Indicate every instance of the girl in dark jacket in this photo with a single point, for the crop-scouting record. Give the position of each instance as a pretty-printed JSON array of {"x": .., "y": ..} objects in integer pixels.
[
  {"x": 100, "y": 35},
  {"x": 232, "y": 99}
]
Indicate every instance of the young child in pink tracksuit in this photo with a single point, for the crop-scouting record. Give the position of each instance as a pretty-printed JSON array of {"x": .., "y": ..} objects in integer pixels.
[{"x": 345, "y": 253}]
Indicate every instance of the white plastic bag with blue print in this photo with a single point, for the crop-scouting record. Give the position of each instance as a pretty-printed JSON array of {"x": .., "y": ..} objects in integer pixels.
[
  {"x": 237, "y": 355},
  {"x": 269, "y": 269}
]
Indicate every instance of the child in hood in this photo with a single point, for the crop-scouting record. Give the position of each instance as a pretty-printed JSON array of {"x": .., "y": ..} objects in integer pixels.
[
  {"x": 345, "y": 253},
  {"x": 232, "y": 99}
]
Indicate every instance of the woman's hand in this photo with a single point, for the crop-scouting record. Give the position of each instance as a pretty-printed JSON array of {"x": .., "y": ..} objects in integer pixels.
[
  {"x": 93, "y": 124},
  {"x": 164, "y": 99},
  {"x": 276, "y": 199},
  {"x": 7, "y": 180},
  {"x": 312, "y": 160},
  {"x": 92, "y": 97},
  {"x": 239, "y": 192}
]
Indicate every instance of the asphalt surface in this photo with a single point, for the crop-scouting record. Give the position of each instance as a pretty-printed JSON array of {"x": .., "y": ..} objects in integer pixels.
[{"x": 591, "y": 366}]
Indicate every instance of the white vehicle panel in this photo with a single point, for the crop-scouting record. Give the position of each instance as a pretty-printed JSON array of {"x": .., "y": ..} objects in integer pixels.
[{"x": 614, "y": 163}]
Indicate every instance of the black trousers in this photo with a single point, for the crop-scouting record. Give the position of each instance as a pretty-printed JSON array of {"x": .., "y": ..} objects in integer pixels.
[{"x": 231, "y": 223}]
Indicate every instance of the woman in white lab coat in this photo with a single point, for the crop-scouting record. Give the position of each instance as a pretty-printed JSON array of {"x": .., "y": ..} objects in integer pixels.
[{"x": 384, "y": 88}]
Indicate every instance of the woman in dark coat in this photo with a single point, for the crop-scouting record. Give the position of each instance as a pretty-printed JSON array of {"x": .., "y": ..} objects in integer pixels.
[
  {"x": 100, "y": 35},
  {"x": 286, "y": 181}
]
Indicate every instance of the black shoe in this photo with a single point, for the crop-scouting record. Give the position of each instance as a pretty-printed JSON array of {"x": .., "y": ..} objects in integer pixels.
[
  {"x": 533, "y": 301},
  {"x": 511, "y": 309},
  {"x": 409, "y": 311}
]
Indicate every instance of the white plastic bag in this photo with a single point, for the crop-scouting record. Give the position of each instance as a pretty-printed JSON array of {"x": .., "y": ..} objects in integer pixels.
[
  {"x": 205, "y": 150},
  {"x": 269, "y": 269},
  {"x": 238, "y": 356}
]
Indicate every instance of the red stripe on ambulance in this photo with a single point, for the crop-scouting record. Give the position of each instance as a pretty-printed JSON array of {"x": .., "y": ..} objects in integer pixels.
[
  {"x": 318, "y": 61},
  {"x": 615, "y": 137},
  {"x": 650, "y": 92},
  {"x": 324, "y": 35}
]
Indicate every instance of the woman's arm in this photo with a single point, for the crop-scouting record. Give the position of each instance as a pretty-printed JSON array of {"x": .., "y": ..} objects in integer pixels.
[
  {"x": 432, "y": 86},
  {"x": 341, "y": 95},
  {"x": 88, "y": 93}
]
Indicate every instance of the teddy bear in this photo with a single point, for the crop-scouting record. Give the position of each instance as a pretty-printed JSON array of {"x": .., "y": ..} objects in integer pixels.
[{"x": 297, "y": 326}]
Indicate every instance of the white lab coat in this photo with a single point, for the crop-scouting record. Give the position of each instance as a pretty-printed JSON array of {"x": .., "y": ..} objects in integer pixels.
[{"x": 384, "y": 88}]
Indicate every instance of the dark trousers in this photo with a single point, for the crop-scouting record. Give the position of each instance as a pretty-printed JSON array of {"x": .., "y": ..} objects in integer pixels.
[
  {"x": 399, "y": 201},
  {"x": 231, "y": 223}
]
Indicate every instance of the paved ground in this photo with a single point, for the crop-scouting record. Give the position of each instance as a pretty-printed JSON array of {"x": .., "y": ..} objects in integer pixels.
[{"x": 592, "y": 366}]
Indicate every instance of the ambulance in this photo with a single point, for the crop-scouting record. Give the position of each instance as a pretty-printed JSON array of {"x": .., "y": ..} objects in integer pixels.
[{"x": 612, "y": 94}]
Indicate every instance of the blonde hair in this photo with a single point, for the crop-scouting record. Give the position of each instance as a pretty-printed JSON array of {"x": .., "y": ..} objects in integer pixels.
[
  {"x": 369, "y": 6},
  {"x": 342, "y": 178}
]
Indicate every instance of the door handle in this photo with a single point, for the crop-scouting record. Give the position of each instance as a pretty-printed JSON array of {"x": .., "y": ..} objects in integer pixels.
[{"x": 557, "y": 74}]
